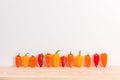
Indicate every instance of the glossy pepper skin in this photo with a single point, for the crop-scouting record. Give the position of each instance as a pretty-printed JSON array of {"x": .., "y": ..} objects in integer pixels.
[
  {"x": 48, "y": 59},
  {"x": 96, "y": 59},
  {"x": 40, "y": 59},
  {"x": 104, "y": 57},
  {"x": 18, "y": 60},
  {"x": 32, "y": 61},
  {"x": 56, "y": 59},
  {"x": 63, "y": 61},
  {"x": 79, "y": 60},
  {"x": 25, "y": 60},
  {"x": 70, "y": 59},
  {"x": 87, "y": 60}
]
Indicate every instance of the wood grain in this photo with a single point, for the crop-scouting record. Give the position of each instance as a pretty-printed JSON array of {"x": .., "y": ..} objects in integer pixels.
[{"x": 13, "y": 73}]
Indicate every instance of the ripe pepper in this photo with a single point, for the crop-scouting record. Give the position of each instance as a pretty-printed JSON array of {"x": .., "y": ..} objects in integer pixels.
[
  {"x": 87, "y": 60},
  {"x": 96, "y": 59},
  {"x": 56, "y": 59},
  {"x": 33, "y": 61},
  {"x": 40, "y": 60},
  {"x": 79, "y": 60},
  {"x": 63, "y": 61},
  {"x": 104, "y": 59},
  {"x": 18, "y": 60},
  {"x": 26, "y": 60},
  {"x": 70, "y": 59},
  {"x": 48, "y": 59}
]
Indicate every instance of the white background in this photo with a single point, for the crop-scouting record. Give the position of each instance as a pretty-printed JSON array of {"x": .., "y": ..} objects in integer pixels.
[{"x": 36, "y": 26}]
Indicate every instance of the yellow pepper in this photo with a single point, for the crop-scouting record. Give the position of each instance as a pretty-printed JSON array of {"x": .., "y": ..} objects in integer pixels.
[
  {"x": 56, "y": 59},
  {"x": 26, "y": 60},
  {"x": 79, "y": 60}
]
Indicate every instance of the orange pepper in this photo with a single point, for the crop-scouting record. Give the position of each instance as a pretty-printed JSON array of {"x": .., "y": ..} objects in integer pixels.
[
  {"x": 104, "y": 59},
  {"x": 18, "y": 60},
  {"x": 33, "y": 61},
  {"x": 70, "y": 59},
  {"x": 87, "y": 60},
  {"x": 48, "y": 60}
]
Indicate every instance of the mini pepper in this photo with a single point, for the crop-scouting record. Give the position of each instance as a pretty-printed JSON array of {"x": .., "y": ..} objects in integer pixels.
[
  {"x": 87, "y": 60},
  {"x": 70, "y": 59},
  {"x": 56, "y": 59},
  {"x": 40, "y": 59},
  {"x": 63, "y": 60},
  {"x": 26, "y": 60},
  {"x": 48, "y": 59},
  {"x": 32, "y": 61},
  {"x": 96, "y": 59},
  {"x": 18, "y": 60},
  {"x": 104, "y": 57},
  {"x": 79, "y": 60}
]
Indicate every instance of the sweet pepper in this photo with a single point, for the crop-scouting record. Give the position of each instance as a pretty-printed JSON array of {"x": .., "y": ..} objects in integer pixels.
[
  {"x": 96, "y": 59},
  {"x": 56, "y": 59},
  {"x": 104, "y": 57},
  {"x": 79, "y": 60},
  {"x": 48, "y": 59},
  {"x": 63, "y": 60},
  {"x": 87, "y": 60},
  {"x": 70, "y": 59},
  {"x": 26, "y": 60},
  {"x": 40, "y": 59},
  {"x": 18, "y": 60},
  {"x": 33, "y": 61}
]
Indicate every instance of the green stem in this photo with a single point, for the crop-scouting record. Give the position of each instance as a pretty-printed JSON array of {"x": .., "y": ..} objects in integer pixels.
[
  {"x": 70, "y": 52},
  {"x": 80, "y": 53},
  {"x": 18, "y": 54},
  {"x": 26, "y": 54},
  {"x": 42, "y": 54},
  {"x": 48, "y": 53},
  {"x": 33, "y": 56},
  {"x": 57, "y": 51},
  {"x": 88, "y": 54}
]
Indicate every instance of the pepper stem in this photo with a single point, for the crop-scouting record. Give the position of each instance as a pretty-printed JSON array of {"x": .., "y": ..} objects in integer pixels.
[
  {"x": 18, "y": 54},
  {"x": 70, "y": 52},
  {"x": 26, "y": 53},
  {"x": 88, "y": 54},
  {"x": 32, "y": 56},
  {"x": 57, "y": 51},
  {"x": 80, "y": 53},
  {"x": 48, "y": 53},
  {"x": 42, "y": 54}
]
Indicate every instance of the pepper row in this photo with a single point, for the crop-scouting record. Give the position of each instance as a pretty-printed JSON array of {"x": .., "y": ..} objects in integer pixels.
[{"x": 55, "y": 60}]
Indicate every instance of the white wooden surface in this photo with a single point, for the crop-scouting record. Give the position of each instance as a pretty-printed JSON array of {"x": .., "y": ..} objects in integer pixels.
[{"x": 13, "y": 73}]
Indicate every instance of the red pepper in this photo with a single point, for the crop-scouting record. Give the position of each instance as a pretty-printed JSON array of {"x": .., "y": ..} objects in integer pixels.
[
  {"x": 40, "y": 60},
  {"x": 63, "y": 61},
  {"x": 96, "y": 59}
]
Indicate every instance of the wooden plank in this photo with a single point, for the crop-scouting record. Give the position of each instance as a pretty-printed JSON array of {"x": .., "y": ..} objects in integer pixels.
[{"x": 13, "y": 73}]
